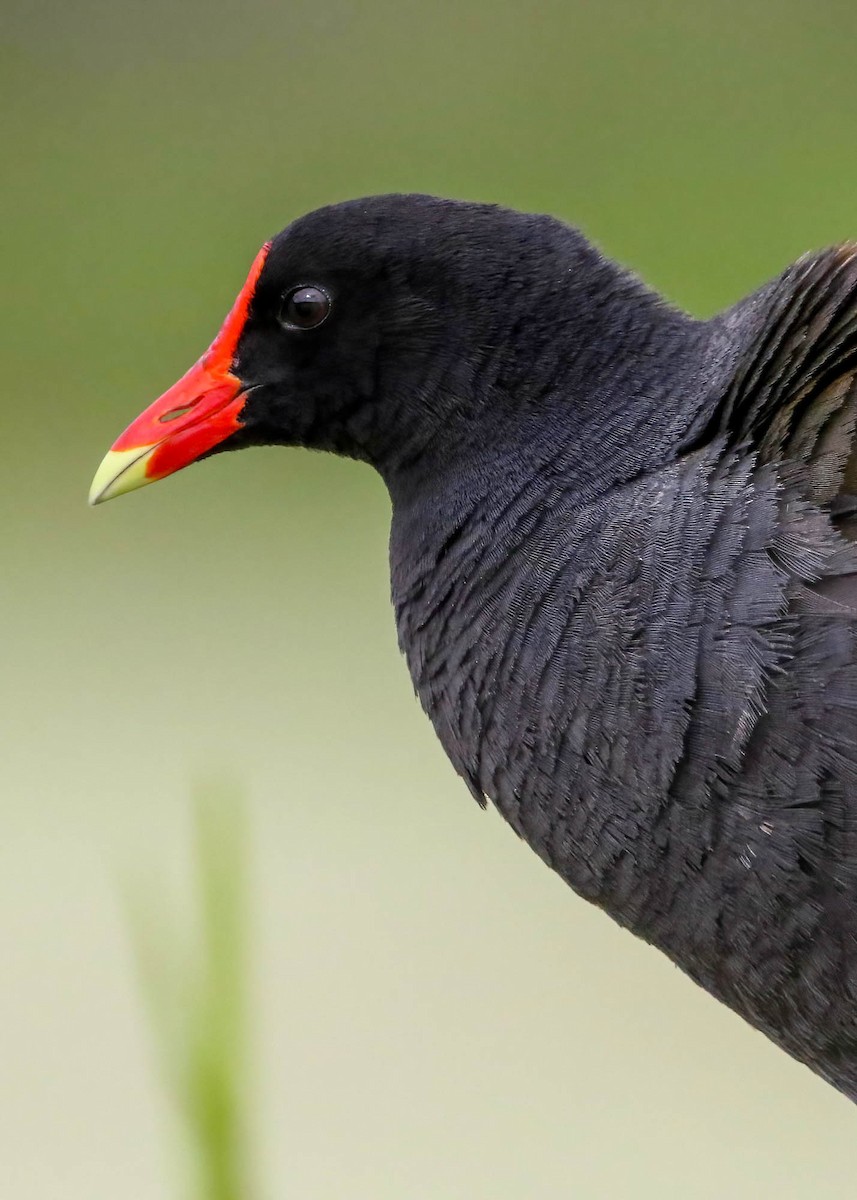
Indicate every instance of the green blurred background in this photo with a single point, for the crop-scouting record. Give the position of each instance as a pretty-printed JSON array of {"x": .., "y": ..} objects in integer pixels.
[{"x": 434, "y": 1016}]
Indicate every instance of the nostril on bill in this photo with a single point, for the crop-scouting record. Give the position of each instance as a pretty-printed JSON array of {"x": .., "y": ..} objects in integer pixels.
[{"x": 177, "y": 412}]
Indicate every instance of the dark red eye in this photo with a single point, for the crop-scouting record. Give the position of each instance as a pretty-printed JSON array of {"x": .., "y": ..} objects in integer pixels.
[{"x": 305, "y": 308}]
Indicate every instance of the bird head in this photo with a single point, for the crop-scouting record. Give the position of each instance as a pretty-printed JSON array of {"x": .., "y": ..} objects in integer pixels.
[{"x": 396, "y": 330}]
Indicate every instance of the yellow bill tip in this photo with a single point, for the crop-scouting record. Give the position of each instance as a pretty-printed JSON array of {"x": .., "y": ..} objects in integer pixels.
[{"x": 120, "y": 471}]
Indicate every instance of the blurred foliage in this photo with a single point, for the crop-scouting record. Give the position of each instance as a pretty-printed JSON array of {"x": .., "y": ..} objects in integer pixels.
[{"x": 194, "y": 982}]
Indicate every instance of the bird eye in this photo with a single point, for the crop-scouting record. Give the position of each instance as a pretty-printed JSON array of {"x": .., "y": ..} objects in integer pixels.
[{"x": 305, "y": 308}]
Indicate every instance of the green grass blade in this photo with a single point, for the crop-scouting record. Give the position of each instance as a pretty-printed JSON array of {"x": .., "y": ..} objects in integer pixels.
[{"x": 194, "y": 983}]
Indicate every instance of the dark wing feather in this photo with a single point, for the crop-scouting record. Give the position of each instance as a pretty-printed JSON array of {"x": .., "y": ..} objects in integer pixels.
[
  {"x": 793, "y": 394},
  {"x": 794, "y": 399}
]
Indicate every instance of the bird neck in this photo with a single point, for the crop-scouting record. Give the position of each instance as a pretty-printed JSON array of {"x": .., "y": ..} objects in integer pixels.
[
  {"x": 490, "y": 559},
  {"x": 599, "y": 421}
]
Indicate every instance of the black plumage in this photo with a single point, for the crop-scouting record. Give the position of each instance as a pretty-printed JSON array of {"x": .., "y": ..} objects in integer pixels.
[{"x": 622, "y": 563}]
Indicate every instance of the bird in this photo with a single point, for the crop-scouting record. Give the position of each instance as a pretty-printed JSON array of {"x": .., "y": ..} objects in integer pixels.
[{"x": 622, "y": 559}]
